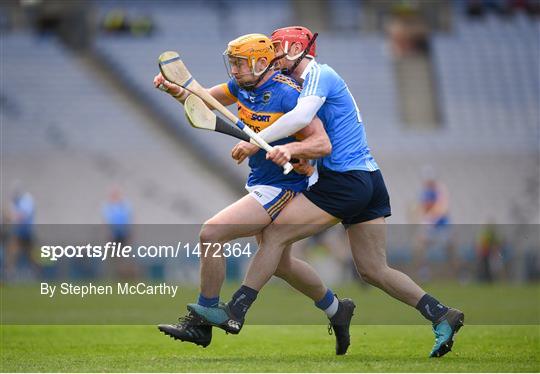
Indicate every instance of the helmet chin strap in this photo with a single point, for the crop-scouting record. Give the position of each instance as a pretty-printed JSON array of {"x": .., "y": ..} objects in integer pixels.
[
  {"x": 286, "y": 50},
  {"x": 299, "y": 57},
  {"x": 263, "y": 73}
]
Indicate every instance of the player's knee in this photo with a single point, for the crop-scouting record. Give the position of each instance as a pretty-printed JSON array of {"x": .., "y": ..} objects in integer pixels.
[
  {"x": 211, "y": 233},
  {"x": 372, "y": 275},
  {"x": 275, "y": 234},
  {"x": 368, "y": 276}
]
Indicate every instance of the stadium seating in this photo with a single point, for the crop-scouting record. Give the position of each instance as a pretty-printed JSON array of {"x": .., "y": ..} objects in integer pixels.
[
  {"x": 68, "y": 136},
  {"x": 486, "y": 150}
]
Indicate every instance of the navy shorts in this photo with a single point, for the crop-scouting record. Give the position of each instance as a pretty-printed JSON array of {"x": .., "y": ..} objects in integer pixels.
[{"x": 353, "y": 196}]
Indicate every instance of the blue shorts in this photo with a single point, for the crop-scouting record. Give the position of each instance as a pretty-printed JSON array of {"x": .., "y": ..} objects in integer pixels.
[{"x": 353, "y": 196}]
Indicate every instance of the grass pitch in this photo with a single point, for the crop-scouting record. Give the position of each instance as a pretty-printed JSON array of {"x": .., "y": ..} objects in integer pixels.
[
  {"x": 266, "y": 348},
  {"x": 501, "y": 334}
]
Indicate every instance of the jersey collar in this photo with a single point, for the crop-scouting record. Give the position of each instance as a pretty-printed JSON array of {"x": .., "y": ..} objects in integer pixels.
[
  {"x": 307, "y": 69},
  {"x": 267, "y": 83}
]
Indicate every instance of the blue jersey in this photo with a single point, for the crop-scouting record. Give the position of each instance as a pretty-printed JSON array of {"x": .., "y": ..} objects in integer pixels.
[
  {"x": 258, "y": 109},
  {"x": 341, "y": 118}
]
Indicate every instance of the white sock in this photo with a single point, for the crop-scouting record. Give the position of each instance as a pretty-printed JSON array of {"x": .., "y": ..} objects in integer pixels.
[{"x": 332, "y": 309}]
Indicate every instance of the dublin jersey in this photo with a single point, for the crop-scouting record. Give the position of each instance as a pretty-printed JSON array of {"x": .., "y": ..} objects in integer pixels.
[
  {"x": 341, "y": 118},
  {"x": 258, "y": 109}
]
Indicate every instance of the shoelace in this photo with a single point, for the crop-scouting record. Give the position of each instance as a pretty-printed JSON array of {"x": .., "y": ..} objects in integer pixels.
[
  {"x": 330, "y": 331},
  {"x": 187, "y": 320}
]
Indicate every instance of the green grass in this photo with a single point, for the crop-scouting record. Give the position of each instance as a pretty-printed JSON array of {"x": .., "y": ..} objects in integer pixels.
[
  {"x": 284, "y": 333},
  {"x": 499, "y": 304},
  {"x": 265, "y": 348}
]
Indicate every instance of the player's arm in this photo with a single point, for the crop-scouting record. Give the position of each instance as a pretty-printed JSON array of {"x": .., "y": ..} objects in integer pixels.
[
  {"x": 317, "y": 87},
  {"x": 219, "y": 92},
  {"x": 295, "y": 120},
  {"x": 315, "y": 143}
]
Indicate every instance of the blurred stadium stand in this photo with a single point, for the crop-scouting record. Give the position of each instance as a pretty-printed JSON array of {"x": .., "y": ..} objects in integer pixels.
[
  {"x": 485, "y": 149},
  {"x": 68, "y": 136}
]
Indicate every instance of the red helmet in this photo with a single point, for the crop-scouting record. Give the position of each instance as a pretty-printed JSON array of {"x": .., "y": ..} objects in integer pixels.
[{"x": 294, "y": 34}]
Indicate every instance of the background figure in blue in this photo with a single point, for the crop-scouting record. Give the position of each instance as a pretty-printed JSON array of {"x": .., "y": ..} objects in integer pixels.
[
  {"x": 117, "y": 214},
  {"x": 434, "y": 202},
  {"x": 21, "y": 217},
  {"x": 434, "y": 239}
]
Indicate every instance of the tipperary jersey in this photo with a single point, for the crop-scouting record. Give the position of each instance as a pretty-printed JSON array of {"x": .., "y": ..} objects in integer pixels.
[
  {"x": 258, "y": 109},
  {"x": 341, "y": 118}
]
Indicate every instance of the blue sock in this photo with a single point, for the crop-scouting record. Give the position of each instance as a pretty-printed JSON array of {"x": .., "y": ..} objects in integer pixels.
[
  {"x": 242, "y": 300},
  {"x": 326, "y": 301},
  {"x": 208, "y": 302},
  {"x": 431, "y": 308},
  {"x": 328, "y": 304}
]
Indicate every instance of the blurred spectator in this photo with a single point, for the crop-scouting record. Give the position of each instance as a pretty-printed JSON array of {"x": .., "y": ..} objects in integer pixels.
[
  {"x": 488, "y": 250},
  {"x": 408, "y": 32},
  {"x": 532, "y": 265},
  {"x": 435, "y": 237},
  {"x": 118, "y": 22},
  {"x": 531, "y": 7},
  {"x": 71, "y": 20},
  {"x": 434, "y": 203},
  {"x": 117, "y": 214},
  {"x": 3, "y": 245},
  {"x": 478, "y": 8},
  {"x": 115, "y": 21},
  {"x": 21, "y": 237}
]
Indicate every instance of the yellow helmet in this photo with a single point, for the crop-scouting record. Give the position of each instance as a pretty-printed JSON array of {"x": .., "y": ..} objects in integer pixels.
[{"x": 251, "y": 47}]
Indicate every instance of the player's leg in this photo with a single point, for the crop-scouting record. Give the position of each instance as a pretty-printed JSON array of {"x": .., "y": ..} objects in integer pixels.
[
  {"x": 300, "y": 275},
  {"x": 312, "y": 212},
  {"x": 299, "y": 219},
  {"x": 304, "y": 278},
  {"x": 220, "y": 229},
  {"x": 368, "y": 245},
  {"x": 367, "y": 238},
  {"x": 246, "y": 217},
  {"x": 274, "y": 239}
]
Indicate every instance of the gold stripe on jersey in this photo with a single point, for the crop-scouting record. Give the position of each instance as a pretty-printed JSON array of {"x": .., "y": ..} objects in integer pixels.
[
  {"x": 228, "y": 92},
  {"x": 288, "y": 81},
  {"x": 257, "y": 121}
]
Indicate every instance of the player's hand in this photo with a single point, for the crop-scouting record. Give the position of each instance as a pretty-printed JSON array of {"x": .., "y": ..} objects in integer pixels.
[
  {"x": 243, "y": 150},
  {"x": 171, "y": 88},
  {"x": 303, "y": 167},
  {"x": 279, "y": 155}
]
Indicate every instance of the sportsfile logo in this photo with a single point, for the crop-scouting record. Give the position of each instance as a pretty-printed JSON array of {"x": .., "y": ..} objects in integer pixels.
[
  {"x": 109, "y": 250},
  {"x": 118, "y": 250}
]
